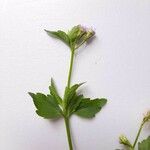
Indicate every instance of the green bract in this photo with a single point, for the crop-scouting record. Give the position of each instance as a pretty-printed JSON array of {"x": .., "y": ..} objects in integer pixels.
[
  {"x": 52, "y": 105},
  {"x": 60, "y": 35}
]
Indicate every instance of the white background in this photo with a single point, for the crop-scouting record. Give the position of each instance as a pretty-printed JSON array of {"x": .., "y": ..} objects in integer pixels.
[{"x": 116, "y": 65}]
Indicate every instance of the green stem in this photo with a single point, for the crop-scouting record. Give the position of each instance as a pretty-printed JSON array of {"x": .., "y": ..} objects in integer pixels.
[
  {"x": 138, "y": 134},
  {"x": 68, "y": 133},
  {"x": 66, "y": 118},
  {"x": 70, "y": 69}
]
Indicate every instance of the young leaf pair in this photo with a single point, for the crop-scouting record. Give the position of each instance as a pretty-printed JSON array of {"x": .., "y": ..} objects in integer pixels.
[{"x": 52, "y": 105}]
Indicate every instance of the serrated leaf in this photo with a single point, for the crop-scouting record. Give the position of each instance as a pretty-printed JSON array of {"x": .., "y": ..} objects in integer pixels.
[
  {"x": 45, "y": 106},
  {"x": 59, "y": 35},
  {"x": 54, "y": 103},
  {"x": 74, "y": 103},
  {"x": 144, "y": 145},
  {"x": 54, "y": 93},
  {"x": 70, "y": 93},
  {"x": 88, "y": 108}
]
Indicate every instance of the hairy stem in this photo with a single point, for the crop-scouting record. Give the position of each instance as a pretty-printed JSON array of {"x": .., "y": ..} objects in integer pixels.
[
  {"x": 68, "y": 133},
  {"x": 70, "y": 69},
  {"x": 138, "y": 134}
]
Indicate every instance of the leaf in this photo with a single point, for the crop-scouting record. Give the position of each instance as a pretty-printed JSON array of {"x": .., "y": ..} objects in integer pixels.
[
  {"x": 46, "y": 106},
  {"x": 88, "y": 108},
  {"x": 54, "y": 103},
  {"x": 54, "y": 93},
  {"x": 59, "y": 35},
  {"x": 75, "y": 102},
  {"x": 144, "y": 145},
  {"x": 70, "y": 93}
]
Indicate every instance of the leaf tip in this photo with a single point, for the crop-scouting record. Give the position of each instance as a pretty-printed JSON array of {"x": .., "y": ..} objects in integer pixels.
[
  {"x": 31, "y": 94},
  {"x": 52, "y": 81},
  {"x": 46, "y": 31},
  {"x": 103, "y": 101}
]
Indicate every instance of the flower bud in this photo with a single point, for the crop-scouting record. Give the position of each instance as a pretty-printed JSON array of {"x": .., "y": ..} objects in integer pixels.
[
  {"x": 123, "y": 140},
  {"x": 146, "y": 117},
  {"x": 90, "y": 33},
  {"x": 76, "y": 33},
  {"x": 82, "y": 30},
  {"x": 79, "y": 35}
]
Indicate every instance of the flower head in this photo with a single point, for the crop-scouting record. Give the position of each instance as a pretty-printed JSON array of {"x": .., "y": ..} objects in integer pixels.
[{"x": 79, "y": 35}]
